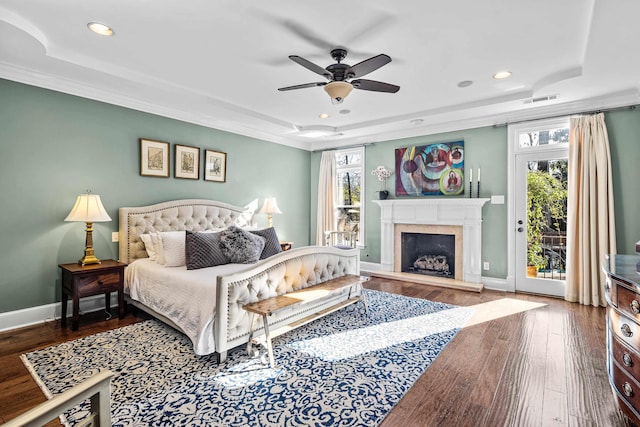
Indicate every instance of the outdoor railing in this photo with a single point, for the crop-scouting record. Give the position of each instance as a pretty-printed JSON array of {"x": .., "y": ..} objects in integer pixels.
[{"x": 554, "y": 245}]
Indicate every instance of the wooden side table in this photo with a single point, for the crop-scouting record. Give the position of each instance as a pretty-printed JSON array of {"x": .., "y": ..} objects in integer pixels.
[
  {"x": 285, "y": 246},
  {"x": 82, "y": 281}
]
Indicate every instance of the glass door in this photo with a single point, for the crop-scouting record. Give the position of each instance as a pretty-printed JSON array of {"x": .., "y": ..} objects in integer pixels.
[{"x": 540, "y": 170}]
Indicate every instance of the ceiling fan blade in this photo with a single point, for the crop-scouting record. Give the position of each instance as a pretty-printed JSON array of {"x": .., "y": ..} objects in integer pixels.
[
  {"x": 307, "y": 34},
  {"x": 302, "y": 86},
  {"x": 374, "y": 86},
  {"x": 367, "y": 66},
  {"x": 311, "y": 66}
]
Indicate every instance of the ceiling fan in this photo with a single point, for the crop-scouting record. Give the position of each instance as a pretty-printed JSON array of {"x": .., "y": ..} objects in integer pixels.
[{"x": 338, "y": 87}]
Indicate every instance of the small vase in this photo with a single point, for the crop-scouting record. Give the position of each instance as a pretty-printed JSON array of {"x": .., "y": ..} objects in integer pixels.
[{"x": 383, "y": 194}]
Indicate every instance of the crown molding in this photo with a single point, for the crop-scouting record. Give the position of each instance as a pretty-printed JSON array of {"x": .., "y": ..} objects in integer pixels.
[{"x": 244, "y": 122}]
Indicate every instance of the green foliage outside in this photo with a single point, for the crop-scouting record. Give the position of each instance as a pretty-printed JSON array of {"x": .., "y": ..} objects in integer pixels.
[{"x": 546, "y": 203}]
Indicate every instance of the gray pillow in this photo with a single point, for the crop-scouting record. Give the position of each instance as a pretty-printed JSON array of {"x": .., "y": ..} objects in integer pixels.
[
  {"x": 240, "y": 246},
  {"x": 272, "y": 243},
  {"x": 203, "y": 250}
]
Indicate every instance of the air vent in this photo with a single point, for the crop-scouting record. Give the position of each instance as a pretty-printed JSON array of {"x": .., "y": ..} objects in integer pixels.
[{"x": 540, "y": 99}]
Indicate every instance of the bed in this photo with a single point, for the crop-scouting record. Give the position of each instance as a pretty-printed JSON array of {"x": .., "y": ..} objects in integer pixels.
[{"x": 207, "y": 303}]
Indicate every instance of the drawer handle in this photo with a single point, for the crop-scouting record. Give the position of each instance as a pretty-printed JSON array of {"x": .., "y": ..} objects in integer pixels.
[
  {"x": 626, "y": 388},
  {"x": 607, "y": 285},
  {"x": 626, "y": 330},
  {"x": 626, "y": 359},
  {"x": 635, "y": 306},
  {"x": 100, "y": 282}
]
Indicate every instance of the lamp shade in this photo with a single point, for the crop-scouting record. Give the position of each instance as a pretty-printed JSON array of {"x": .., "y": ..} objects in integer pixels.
[
  {"x": 338, "y": 91},
  {"x": 88, "y": 208},
  {"x": 270, "y": 206}
]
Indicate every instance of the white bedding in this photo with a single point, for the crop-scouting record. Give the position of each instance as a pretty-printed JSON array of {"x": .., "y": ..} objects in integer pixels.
[{"x": 186, "y": 297}]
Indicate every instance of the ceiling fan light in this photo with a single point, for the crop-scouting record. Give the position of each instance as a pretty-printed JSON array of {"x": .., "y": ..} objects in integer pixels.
[{"x": 338, "y": 91}]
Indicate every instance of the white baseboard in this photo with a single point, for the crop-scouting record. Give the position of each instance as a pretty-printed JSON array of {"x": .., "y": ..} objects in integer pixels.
[
  {"x": 49, "y": 312},
  {"x": 495, "y": 284},
  {"x": 366, "y": 267}
]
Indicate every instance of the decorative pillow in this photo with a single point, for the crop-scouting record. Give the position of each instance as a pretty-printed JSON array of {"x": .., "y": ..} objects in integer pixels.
[
  {"x": 203, "y": 250},
  {"x": 240, "y": 246},
  {"x": 272, "y": 243},
  {"x": 173, "y": 248},
  {"x": 149, "y": 247}
]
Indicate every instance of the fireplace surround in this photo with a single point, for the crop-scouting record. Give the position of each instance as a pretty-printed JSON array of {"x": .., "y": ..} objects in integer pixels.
[{"x": 461, "y": 217}]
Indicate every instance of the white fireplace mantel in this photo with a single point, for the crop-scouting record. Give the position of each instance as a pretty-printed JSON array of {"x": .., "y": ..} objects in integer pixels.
[{"x": 456, "y": 211}]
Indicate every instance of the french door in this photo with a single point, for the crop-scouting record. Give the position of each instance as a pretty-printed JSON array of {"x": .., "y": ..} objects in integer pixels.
[{"x": 539, "y": 165}]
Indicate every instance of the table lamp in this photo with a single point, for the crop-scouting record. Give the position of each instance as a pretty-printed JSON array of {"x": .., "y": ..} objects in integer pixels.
[
  {"x": 88, "y": 209},
  {"x": 270, "y": 207}
]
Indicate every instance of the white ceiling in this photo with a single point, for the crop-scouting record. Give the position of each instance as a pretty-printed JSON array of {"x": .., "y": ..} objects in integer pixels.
[{"x": 219, "y": 63}]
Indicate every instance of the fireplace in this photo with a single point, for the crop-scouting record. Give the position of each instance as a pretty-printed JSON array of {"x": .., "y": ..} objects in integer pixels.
[
  {"x": 425, "y": 249},
  {"x": 457, "y": 217},
  {"x": 429, "y": 254}
]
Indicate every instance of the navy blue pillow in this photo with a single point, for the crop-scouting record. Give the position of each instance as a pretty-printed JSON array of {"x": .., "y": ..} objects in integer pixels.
[
  {"x": 272, "y": 243},
  {"x": 203, "y": 250}
]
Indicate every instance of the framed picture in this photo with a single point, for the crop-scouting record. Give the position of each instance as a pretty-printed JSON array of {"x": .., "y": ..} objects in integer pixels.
[
  {"x": 215, "y": 166},
  {"x": 187, "y": 162},
  {"x": 154, "y": 158},
  {"x": 430, "y": 170}
]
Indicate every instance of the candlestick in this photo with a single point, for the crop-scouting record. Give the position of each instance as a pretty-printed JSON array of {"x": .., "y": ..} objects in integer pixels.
[
  {"x": 470, "y": 182},
  {"x": 478, "y": 194}
]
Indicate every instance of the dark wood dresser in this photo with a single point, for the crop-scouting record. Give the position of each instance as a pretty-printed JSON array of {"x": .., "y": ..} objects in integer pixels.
[{"x": 623, "y": 331}]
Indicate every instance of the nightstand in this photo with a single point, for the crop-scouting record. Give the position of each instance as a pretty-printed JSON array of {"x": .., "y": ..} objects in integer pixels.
[
  {"x": 82, "y": 281},
  {"x": 285, "y": 246}
]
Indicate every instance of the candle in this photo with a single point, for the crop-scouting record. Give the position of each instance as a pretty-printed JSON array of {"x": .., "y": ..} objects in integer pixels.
[
  {"x": 478, "y": 175},
  {"x": 470, "y": 175}
]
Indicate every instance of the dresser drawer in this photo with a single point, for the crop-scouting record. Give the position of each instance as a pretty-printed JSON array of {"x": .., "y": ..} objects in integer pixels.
[
  {"x": 625, "y": 329},
  {"x": 628, "y": 301},
  {"x": 626, "y": 358},
  {"x": 94, "y": 284},
  {"x": 626, "y": 387}
]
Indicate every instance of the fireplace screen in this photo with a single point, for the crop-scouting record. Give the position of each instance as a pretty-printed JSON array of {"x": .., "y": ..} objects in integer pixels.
[{"x": 430, "y": 254}]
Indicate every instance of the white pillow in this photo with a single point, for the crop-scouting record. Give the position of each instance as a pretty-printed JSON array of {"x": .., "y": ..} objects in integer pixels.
[
  {"x": 173, "y": 248},
  {"x": 156, "y": 242},
  {"x": 149, "y": 247}
]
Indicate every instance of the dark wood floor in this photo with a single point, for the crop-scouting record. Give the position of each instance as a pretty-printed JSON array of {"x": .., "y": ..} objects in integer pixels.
[{"x": 542, "y": 367}]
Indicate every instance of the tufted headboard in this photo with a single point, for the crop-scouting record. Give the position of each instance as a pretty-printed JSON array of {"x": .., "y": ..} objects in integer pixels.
[{"x": 189, "y": 214}]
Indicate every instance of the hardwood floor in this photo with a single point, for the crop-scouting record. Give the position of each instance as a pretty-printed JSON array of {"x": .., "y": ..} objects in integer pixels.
[{"x": 541, "y": 367}]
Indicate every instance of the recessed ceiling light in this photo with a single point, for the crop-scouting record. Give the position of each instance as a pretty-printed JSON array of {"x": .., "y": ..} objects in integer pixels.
[
  {"x": 465, "y": 83},
  {"x": 324, "y": 116},
  {"x": 502, "y": 75},
  {"x": 102, "y": 29}
]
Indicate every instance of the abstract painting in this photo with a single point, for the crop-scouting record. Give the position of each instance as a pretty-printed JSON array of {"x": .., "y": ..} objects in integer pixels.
[{"x": 430, "y": 170}]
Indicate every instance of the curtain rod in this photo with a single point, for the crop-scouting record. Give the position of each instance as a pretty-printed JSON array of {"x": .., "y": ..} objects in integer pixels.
[{"x": 605, "y": 110}]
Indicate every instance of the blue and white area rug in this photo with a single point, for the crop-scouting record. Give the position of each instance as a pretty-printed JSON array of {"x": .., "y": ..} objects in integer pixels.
[{"x": 346, "y": 369}]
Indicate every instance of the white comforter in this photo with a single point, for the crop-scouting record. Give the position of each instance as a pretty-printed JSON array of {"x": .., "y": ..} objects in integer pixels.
[{"x": 186, "y": 297}]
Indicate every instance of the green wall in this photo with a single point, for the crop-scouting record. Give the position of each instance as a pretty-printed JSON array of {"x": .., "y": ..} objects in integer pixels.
[
  {"x": 56, "y": 146},
  {"x": 623, "y": 128},
  {"x": 487, "y": 148}
]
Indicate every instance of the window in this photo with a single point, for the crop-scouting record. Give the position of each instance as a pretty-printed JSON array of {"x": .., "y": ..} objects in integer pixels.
[
  {"x": 537, "y": 138},
  {"x": 349, "y": 191}
]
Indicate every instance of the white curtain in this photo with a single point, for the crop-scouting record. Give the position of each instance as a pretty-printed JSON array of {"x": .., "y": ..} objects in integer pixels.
[
  {"x": 591, "y": 231},
  {"x": 326, "y": 183}
]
